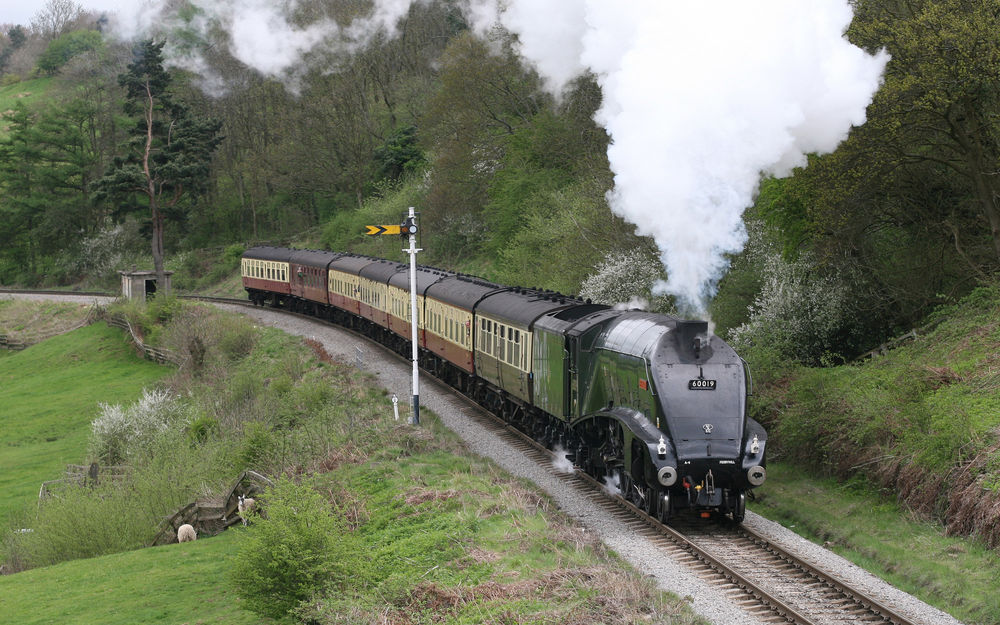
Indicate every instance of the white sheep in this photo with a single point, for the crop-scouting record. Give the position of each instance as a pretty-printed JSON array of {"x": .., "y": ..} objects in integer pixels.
[
  {"x": 246, "y": 505},
  {"x": 186, "y": 533}
]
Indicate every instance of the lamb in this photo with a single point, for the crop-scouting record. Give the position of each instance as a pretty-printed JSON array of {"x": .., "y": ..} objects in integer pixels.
[
  {"x": 246, "y": 506},
  {"x": 186, "y": 533}
]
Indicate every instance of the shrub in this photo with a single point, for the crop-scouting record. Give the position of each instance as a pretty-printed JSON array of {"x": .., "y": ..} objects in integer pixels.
[
  {"x": 302, "y": 547},
  {"x": 801, "y": 314},
  {"x": 257, "y": 444},
  {"x": 122, "y": 432},
  {"x": 201, "y": 428},
  {"x": 236, "y": 339}
]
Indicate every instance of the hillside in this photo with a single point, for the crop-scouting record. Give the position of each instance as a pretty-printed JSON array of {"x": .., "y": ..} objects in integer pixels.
[
  {"x": 371, "y": 520},
  {"x": 170, "y": 584},
  {"x": 921, "y": 422},
  {"x": 26, "y": 92},
  {"x": 51, "y": 394}
]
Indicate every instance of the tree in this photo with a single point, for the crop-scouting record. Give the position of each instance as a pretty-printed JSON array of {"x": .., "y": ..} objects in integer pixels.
[
  {"x": 55, "y": 18},
  {"x": 65, "y": 47},
  {"x": 940, "y": 104},
  {"x": 15, "y": 39},
  {"x": 909, "y": 205},
  {"x": 169, "y": 151},
  {"x": 21, "y": 204}
]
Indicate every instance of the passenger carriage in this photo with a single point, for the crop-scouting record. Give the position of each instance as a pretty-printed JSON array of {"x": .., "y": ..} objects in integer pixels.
[
  {"x": 374, "y": 290},
  {"x": 449, "y": 306},
  {"x": 308, "y": 277},
  {"x": 265, "y": 273},
  {"x": 344, "y": 282}
]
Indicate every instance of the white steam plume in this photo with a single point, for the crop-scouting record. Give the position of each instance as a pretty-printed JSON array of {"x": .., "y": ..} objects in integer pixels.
[
  {"x": 262, "y": 34},
  {"x": 700, "y": 98}
]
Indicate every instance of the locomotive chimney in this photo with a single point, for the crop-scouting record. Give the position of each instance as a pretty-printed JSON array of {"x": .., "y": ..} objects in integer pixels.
[{"x": 692, "y": 339}]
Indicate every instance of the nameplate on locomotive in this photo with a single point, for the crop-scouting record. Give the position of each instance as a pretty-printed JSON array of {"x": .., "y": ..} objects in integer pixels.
[{"x": 701, "y": 385}]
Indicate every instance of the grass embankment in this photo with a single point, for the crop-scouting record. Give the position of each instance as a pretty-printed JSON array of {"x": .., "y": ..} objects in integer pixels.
[
  {"x": 170, "y": 584},
  {"x": 918, "y": 426},
  {"x": 50, "y": 395},
  {"x": 30, "y": 320},
  {"x": 435, "y": 535}
]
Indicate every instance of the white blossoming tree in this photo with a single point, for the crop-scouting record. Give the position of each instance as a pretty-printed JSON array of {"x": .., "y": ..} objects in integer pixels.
[
  {"x": 626, "y": 279},
  {"x": 120, "y": 432}
]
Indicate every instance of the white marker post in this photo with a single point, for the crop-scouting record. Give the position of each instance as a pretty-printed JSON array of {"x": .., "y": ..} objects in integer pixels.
[{"x": 409, "y": 227}]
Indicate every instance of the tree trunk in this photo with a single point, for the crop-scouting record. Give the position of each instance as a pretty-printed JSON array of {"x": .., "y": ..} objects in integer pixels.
[
  {"x": 157, "y": 240},
  {"x": 982, "y": 169}
]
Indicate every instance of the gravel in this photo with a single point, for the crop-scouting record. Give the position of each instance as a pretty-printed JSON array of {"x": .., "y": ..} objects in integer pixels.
[{"x": 708, "y": 601}]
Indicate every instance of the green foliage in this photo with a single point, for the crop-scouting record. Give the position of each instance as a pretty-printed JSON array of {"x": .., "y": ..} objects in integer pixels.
[
  {"x": 47, "y": 163},
  {"x": 46, "y": 419},
  {"x": 62, "y": 49},
  {"x": 200, "y": 429},
  {"x": 345, "y": 231},
  {"x": 301, "y": 547},
  {"x": 564, "y": 242},
  {"x": 400, "y": 155},
  {"x": 232, "y": 255},
  {"x": 920, "y": 421},
  {"x": 257, "y": 445}
]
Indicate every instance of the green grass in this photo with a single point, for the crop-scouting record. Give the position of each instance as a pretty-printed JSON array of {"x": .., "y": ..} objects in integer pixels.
[
  {"x": 51, "y": 393},
  {"x": 169, "y": 584},
  {"x": 855, "y": 520},
  {"x": 451, "y": 539},
  {"x": 26, "y": 92}
]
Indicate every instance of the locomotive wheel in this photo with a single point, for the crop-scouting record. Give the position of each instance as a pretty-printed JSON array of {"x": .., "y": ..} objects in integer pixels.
[
  {"x": 665, "y": 506},
  {"x": 740, "y": 511}
]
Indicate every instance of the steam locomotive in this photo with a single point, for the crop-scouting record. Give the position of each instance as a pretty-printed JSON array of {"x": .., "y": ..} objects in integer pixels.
[{"x": 655, "y": 401}]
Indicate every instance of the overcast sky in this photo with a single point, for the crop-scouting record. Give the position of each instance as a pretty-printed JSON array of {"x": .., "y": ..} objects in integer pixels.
[{"x": 22, "y": 11}]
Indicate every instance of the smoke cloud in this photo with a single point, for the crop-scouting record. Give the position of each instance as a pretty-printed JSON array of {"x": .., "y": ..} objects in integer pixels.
[{"x": 701, "y": 99}]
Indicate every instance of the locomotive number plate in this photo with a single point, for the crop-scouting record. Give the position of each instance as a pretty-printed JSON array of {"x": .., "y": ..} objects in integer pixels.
[{"x": 701, "y": 385}]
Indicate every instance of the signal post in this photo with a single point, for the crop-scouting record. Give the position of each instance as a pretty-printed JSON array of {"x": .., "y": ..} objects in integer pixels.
[{"x": 408, "y": 229}]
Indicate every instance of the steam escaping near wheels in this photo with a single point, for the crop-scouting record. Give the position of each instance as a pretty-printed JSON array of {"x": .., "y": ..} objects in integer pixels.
[{"x": 561, "y": 461}]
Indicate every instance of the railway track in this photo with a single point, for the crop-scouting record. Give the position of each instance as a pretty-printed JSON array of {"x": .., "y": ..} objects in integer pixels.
[
  {"x": 762, "y": 578},
  {"x": 767, "y": 581}
]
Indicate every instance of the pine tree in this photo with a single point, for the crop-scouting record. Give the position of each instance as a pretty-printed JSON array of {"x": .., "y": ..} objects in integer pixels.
[{"x": 169, "y": 151}]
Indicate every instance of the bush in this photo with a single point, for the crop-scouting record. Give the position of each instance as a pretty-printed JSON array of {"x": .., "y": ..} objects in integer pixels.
[
  {"x": 801, "y": 314},
  {"x": 302, "y": 547},
  {"x": 120, "y": 433}
]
